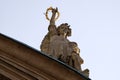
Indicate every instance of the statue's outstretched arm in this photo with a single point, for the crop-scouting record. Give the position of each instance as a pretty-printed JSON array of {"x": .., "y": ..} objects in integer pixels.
[{"x": 52, "y": 20}]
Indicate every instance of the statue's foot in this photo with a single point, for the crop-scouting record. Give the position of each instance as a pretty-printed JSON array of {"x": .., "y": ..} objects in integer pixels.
[{"x": 86, "y": 72}]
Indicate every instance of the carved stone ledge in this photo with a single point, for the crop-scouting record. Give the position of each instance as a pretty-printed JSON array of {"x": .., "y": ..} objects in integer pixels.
[{"x": 18, "y": 61}]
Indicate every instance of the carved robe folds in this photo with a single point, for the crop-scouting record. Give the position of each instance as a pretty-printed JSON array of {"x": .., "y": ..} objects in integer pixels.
[{"x": 59, "y": 47}]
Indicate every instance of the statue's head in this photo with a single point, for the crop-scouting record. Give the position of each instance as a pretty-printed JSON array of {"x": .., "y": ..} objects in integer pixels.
[
  {"x": 73, "y": 44},
  {"x": 74, "y": 47},
  {"x": 64, "y": 29}
]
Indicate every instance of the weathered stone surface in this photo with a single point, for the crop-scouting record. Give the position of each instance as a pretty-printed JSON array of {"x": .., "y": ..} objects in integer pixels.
[
  {"x": 2, "y": 77},
  {"x": 56, "y": 44},
  {"x": 74, "y": 59},
  {"x": 21, "y": 62}
]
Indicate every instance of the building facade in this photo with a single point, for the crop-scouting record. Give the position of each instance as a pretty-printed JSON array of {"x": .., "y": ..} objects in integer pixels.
[{"x": 21, "y": 62}]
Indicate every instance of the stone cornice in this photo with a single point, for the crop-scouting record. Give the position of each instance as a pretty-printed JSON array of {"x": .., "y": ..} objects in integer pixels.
[{"x": 19, "y": 61}]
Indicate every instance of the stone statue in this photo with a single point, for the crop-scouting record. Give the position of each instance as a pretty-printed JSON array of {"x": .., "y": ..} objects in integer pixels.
[
  {"x": 59, "y": 44},
  {"x": 56, "y": 44},
  {"x": 52, "y": 30},
  {"x": 74, "y": 59}
]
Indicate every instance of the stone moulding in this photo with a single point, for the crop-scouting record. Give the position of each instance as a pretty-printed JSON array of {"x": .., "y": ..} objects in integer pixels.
[{"x": 19, "y": 61}]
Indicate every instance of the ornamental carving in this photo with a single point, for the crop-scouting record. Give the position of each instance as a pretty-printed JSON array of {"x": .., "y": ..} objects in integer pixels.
[{"x": 56, "y": 44}]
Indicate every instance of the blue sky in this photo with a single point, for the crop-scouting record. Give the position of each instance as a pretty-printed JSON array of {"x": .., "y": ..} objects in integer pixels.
[{"x": 95, "y": 27}]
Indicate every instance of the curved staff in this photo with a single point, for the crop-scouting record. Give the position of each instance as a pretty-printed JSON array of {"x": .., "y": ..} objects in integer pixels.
[{"x": 53, "y": 18}]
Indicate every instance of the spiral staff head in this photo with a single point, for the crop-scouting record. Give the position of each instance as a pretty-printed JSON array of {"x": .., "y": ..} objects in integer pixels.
[{"x": 50, "y": 9}]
